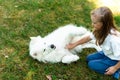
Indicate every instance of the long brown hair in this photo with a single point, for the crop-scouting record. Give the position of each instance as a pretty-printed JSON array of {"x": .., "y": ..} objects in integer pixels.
[{"x": 106, "y": 17}]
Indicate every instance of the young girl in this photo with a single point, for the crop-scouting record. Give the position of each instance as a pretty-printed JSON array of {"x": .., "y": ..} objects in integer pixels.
[{"x": 107, "y": 37}]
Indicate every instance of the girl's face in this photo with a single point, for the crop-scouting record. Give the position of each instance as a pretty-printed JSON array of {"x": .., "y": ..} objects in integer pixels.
[{"x": 96, "y": 23}]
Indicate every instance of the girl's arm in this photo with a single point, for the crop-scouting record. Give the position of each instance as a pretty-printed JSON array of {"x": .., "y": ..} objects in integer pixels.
[
  {"x": 111, "y": 70},
  {"x": 81, "y": 41},
  {"x": 117, "y": 66}
]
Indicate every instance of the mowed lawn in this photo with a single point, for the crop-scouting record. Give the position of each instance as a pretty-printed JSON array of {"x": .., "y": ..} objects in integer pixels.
[{"x": 21, "y": 19}]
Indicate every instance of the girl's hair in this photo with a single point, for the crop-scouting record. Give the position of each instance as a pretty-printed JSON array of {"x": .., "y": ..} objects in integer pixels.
[{"x": 106, "y": 18}]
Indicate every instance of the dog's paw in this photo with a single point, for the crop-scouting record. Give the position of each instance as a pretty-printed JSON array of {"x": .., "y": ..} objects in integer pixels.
[{"x": 70, "y": 58}]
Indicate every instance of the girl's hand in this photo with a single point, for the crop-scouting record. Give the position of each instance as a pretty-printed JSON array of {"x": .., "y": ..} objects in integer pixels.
[
  {"x": 111, "y": 70},
  {"x": 70, "y": 46}
]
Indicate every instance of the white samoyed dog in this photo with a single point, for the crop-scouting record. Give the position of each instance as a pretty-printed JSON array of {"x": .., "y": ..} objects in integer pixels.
[{"x": 51, "y": 48}]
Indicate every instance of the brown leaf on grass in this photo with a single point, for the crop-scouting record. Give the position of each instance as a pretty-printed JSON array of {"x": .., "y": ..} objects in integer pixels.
[{"x": 49, "y": 77}]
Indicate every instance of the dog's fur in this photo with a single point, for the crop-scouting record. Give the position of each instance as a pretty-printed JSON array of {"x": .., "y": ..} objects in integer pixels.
[{"x": 51, "y": 48}]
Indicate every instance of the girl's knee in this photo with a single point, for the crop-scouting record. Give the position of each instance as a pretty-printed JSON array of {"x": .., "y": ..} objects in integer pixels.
[
  {"x": 91, "y": 65},
  {"x": 89, "y": 57}
]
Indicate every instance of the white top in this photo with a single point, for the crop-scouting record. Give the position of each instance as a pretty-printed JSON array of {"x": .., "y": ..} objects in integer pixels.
[{"x": 111, "y": 45}]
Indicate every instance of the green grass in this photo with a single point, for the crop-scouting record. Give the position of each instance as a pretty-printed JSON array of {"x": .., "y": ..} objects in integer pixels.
[{"x": 21, "y": 19}]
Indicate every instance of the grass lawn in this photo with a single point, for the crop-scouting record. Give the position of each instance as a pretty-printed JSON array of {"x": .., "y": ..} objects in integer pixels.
[{"x": 21, "y": 19}]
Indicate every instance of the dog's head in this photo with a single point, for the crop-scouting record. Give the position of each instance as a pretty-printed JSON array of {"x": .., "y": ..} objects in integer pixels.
[{"x": 39, "y": 47}]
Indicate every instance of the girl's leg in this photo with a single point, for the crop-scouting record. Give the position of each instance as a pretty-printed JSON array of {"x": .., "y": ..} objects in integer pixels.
[
  {"x": 100, "y": 65},
  {"x": 94, "y": 56}
]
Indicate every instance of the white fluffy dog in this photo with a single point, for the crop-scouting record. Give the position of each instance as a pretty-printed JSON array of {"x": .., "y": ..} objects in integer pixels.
[{"x": 51, "y": 48}]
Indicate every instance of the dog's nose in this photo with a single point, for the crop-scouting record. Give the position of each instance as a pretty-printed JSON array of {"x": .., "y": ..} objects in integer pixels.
[{"x": 52, "y": 46}]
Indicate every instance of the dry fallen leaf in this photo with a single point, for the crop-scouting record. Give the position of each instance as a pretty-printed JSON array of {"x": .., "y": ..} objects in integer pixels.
[{"x": 49, "y": 77}]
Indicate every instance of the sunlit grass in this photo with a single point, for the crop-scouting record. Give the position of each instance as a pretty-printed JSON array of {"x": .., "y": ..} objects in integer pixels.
[{"x": 114, "y": 5}]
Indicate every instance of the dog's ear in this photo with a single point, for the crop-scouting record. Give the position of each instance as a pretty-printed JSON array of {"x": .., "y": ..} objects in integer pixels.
[
  {"x": 38, "y": 37},
  {"x": 32, "y": 38}
]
